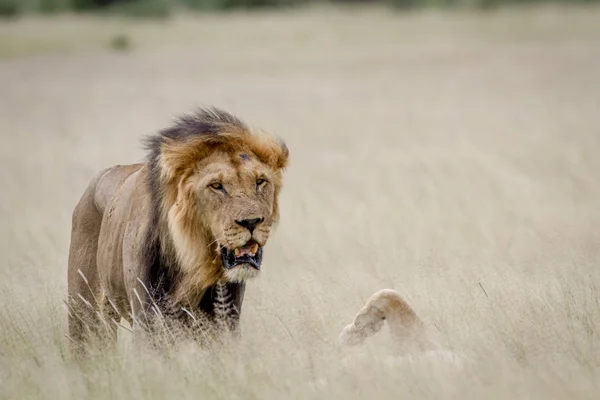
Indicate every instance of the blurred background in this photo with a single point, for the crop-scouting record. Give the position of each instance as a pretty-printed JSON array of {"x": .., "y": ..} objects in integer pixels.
[
  {"x": 164, "y": 8},
  {"x": 447, "y": 149}
]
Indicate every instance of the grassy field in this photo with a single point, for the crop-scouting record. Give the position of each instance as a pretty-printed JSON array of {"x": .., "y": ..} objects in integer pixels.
[{"x": 452, "y": 157}]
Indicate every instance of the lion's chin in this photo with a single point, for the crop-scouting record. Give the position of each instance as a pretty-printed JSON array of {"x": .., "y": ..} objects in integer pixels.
[{"x": 241, "y": 273}]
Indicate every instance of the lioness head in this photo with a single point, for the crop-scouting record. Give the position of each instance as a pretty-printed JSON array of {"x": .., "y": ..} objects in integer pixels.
[
  {"x": 367, "y": 322},
  {"x": 219, "y": 183}
]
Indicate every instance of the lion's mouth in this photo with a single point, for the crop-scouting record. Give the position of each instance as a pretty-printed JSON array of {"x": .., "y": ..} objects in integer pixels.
[{"x": 250, "y": 253}]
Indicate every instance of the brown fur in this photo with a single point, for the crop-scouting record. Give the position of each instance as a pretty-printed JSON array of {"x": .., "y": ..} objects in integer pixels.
[{"x": 145, "y": 237}]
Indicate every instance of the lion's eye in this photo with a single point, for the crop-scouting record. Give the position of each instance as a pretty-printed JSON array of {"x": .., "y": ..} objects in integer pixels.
[
  {"x": 216, "y": 186},
  {"x": 260, "y": 181}
]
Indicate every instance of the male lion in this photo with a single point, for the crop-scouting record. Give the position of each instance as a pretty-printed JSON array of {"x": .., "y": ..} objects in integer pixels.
[{"x": 167, "y": 236}]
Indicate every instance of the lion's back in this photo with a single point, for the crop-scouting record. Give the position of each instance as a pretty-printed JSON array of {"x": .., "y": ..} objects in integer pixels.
[{"x": 110, "y": 181}]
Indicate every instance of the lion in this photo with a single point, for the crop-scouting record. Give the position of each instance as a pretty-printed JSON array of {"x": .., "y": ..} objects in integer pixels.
[
  {"x": 406, "y": 328},
  {"x": 412, "y": 343},
  {"x": 169, "y": 235},
  {"x": 412, "y": 346}
]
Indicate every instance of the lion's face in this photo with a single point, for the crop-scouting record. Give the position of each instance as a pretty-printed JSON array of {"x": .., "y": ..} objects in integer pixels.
[
  {"x": 218, "y": 199},
  {"x": 235, "y": 196}
]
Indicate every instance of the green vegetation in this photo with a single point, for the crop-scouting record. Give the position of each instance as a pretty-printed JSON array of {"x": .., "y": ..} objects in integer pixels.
[
  {"x": 141, "y": 8},
  {"x": 8, "y": 8},
  {"x": 120, "y": 42},
  {"x": 164, "y": 8},
  {"x": 232, "y": 4},
  {"x": 132, "y": 8}
]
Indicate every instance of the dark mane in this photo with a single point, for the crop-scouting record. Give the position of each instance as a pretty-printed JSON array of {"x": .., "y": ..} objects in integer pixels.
[
  {"x": 162, "y": 276},
  {"x": 205, "y": 121}
]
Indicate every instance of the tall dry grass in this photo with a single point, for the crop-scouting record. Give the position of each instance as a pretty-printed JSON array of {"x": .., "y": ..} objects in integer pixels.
[{"x": 452, "y": 157}]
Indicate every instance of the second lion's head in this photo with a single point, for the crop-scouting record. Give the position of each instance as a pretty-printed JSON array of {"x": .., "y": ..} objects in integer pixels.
[{"x": 216, "y": 184}]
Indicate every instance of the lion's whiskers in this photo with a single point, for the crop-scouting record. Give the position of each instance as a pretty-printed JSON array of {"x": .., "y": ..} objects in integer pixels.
[{"x": 215, "y": 241}]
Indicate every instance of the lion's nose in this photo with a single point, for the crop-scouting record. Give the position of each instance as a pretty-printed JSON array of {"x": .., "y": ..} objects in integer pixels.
[{"x": 250, "y": 224}]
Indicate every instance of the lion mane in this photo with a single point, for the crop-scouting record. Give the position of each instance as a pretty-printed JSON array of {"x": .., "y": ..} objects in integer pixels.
[{"x": 169, "y": 235}]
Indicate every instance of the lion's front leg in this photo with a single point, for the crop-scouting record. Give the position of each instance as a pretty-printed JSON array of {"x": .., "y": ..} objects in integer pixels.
[{"x": 111, "y": 318}]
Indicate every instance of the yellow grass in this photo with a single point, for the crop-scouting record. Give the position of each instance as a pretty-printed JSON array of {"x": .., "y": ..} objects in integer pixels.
[{"x": 452, "y": 157}]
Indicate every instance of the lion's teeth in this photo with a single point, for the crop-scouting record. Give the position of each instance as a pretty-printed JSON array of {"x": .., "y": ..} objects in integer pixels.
[
  {"x": 255, "y": 248},
  {"x": 236, "y": 252}
]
